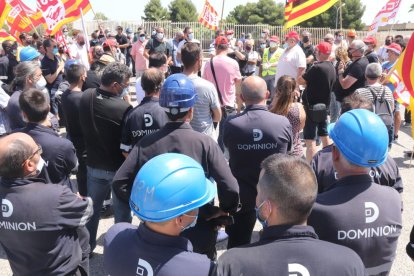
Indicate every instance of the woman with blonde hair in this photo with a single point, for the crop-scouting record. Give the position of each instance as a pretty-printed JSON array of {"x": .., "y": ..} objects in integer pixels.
[
  {"x": 341, "y": 55},
  {"x": 284, "y": 104}
]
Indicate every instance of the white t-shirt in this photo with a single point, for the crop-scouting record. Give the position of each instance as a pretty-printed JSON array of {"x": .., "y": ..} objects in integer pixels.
[
  {"x": 290, "y": 61},
  {"x": 80, "y": 53},
  {"x": 140, "y": 94},
  {"x": 253, "y": 55}
]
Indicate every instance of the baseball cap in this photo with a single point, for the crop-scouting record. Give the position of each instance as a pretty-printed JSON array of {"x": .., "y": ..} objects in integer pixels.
[
  {"x": 293, "y": 35},
  {"x": 109, "y": 43},
  {"x": 222, "y": 40},
  {"x": 396, "y": 48},
  {"x": 324, "y": 48},
  {"x": 229, "y": 32},
  {"x": 274, "y": 38},
  {"x": 351, "y": 33},
  {"x": 370, "y": 40}
]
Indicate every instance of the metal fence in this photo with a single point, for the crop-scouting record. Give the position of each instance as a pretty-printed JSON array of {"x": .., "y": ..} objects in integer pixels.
[{"x": 206, "y": 36}]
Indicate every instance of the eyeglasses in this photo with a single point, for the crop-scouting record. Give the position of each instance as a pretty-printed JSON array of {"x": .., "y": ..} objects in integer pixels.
[{"x": 39, "y": 151}]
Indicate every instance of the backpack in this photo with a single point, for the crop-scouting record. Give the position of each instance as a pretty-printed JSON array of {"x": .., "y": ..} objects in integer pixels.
[{"x": 383, "y": 109}]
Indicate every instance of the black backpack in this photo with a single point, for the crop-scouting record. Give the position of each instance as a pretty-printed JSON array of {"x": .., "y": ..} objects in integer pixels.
[{"x": 383, "y": 109}]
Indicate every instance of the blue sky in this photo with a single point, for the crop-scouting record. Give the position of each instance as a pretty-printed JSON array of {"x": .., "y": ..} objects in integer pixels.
[{"x": 134, "y": 9}]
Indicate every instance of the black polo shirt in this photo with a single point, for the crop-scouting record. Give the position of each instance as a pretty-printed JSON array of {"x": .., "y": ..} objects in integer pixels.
[
  {"x": 128, "y": 249},
  {"x": 155, "y": 46},
  {"x": 363, "y": 216},
  {"x": 290, "y": 250},
  {"x": 102, "y": 114},
  {"x": 59, "y": 154},
  {"x": 250, "y": 137},
  {"x": 38, "y": 226},
  {"x": 49, "y": 67},
  {"x": 320, "y": 81},
  {"x": 387, "y": 174},
  {"x": 144, "y": 119},
  {"x": 357, "y": 70},
  {"x": 122, "y": 39},
  {"x": 71, "y": 108}
]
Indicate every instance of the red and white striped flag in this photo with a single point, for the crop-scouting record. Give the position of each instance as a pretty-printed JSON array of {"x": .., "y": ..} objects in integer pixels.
[
  {"x": 209, "y": 17},
  {"x": 385, "y": 16}
]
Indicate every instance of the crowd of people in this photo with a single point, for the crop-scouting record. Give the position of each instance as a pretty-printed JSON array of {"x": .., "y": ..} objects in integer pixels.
[{"x": 205, "y": 144}]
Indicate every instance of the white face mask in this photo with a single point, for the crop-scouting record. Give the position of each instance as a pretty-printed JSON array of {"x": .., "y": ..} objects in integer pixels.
[
  {"x": 41, "y": 83},
  {"x": 190, "y": 36},
  {"x": 160, "y": 36},
  {"x": 142, "y": 38},
  {"x": 40, "y": 165},
  {"x": 230, "y": 37},
  {"x": 273, "y": 44},
  {"x": 124, "y": 92}
]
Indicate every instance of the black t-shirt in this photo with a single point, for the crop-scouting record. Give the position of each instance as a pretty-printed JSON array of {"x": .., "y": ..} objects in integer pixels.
[
  {"x": 320, "y": 80},
  {"x": 49, "y": 67},
  {"x": 101, "y": 127},
  {"x": 357, "y": 70},
  {"x": 372, "y": 57},
  {"x": 10, "y": 68},
  {"x": 122, "y": 39},
  {"x": 92, "y": 80},
  {"x": 155, "y": 46},
  {"x": 71, "y": 105},
  {"x": 309, "y": 51}
]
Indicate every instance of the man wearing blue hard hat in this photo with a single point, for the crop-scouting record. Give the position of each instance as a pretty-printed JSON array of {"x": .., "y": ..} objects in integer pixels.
[
  {"x": 29, "y": 54},
  {"x": 356, "y": 212},
  {"x": 177, "y": 98},
  {"x": 166, "y": 195}
]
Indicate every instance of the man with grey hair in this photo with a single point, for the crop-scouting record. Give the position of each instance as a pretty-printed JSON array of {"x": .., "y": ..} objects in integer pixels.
[
  {"x": 352, "y": 77},
  {"x": 286, "y": 193},
  {"x": 307, "y": 47},
  {"x": 250, "y": 137},
  {"x": 79, "y": 51},
  {"x": 40, "y": 221},
  {"x": 381, "y": 92}
]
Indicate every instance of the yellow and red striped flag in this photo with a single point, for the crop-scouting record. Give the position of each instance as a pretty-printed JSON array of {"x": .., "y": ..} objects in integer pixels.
[
  {"x": 5, "y": 36},
  {"x": 405, "y": 68},
  {"x": 398, "y": 88},
  {"x": 57, "y": 13},
  {"x": 297, "y": 11},
  {"x": 209, "y": 17}
]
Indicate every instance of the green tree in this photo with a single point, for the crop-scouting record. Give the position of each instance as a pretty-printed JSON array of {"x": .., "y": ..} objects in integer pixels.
[
  {"x": 352, "y": 13},
  {"x": 262, "y": 12},
  {"x": 182, "y": 11},
  {"x": 154, "y": 11},
  {"x": 100, "y": 16},
  {"x": 411, "y": 8}
]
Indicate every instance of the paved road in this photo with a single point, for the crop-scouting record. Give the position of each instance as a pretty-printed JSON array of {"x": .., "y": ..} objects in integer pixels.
[{"x": 402, "y": 265}]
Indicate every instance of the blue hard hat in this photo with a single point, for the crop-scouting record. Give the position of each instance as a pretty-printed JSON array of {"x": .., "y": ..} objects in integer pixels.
[
  {"x": 70, "y": 62},
  {"x": 361, "y": 136},
  {"x": 168, "y": 186},
  {"x": 28, "y": 54},
  {"x": 178, "y": 94}
]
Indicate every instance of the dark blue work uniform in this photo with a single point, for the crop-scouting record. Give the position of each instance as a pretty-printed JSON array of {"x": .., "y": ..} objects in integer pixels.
[
  {"x": 250, "y": 137},
  {"x": 38, "y": 227},
  {"x": 129, "y": 250},
  {"x": 59, "y": 154},
  {"x": 290, "y": 250},
  {"x": 387, "y": 174},
  {"x": 144, "y": 119},
  {"x": 361, "y": 215},
  {"x": 14, "y": 112},
  {"x": 179, "y": 137}
]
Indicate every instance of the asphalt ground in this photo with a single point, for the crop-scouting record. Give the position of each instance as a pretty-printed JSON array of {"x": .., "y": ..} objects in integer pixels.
[{"x": 403, "y": 265}]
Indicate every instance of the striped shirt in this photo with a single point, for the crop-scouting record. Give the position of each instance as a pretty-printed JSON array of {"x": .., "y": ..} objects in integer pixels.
[
  {"x": 207, "y": 99},
  {"x": 377, "y": 89}
]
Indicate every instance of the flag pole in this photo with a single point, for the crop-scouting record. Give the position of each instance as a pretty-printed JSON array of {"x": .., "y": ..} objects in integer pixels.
[
  {"x": 340, "y": 14},
  {"x": 222, "y": 12}
]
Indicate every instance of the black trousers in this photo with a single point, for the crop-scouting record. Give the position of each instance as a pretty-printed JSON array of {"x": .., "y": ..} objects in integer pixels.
[
  {"x": 175, "y": 69},
  {"x": 240, "y": 233}
]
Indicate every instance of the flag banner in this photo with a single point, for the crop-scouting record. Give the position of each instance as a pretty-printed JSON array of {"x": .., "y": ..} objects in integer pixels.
[
  {"x": 412, "y": 116},
  {"x": 297, "y": 11},
  {"x": 57, "y": 13},
  {"x": 209, "y": 17},
  {"x": 385, "y": 16},
  {"x": 60, "y": 39},
  {"x": 5, "y": 36},
  {"x": 405, "y": 66}
]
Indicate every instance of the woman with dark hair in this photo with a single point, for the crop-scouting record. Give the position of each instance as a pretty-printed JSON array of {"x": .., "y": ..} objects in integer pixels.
[{"x": 284, "y": 104}]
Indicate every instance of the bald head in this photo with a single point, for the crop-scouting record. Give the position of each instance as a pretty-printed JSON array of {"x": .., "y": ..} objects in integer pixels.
[
  {"x": 254, "y": 90},
  {"x": 15, "y": 149}
]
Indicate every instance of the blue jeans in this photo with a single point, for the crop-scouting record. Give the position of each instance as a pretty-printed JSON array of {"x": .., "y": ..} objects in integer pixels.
[{"x": 99, "y": 184}]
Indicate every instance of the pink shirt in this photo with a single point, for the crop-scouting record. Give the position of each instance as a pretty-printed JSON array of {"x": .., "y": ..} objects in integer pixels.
[
  {"x": 137, "y": 52},
  {"x": 227, "y": 73}
]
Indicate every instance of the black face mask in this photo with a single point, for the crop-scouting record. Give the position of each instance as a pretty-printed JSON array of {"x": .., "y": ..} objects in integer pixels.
[
  {"x": 248, "y": 48},
  {"x": 61, "y": 51},
  {"x": 388, "y": 42},
  {"x": 305, "y": 39}
]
